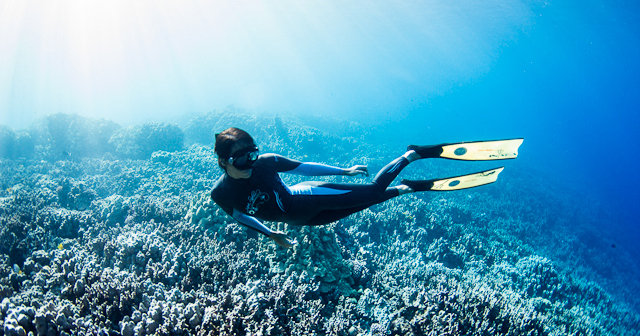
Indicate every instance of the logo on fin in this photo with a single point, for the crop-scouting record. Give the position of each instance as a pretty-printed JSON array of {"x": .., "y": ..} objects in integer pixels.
[
  {"x": 488, "y": 173},
  {"x": 460, "y": 151}
]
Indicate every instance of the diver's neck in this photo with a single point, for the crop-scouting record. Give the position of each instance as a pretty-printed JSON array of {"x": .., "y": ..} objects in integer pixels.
[{"x": 239, "y": 174}]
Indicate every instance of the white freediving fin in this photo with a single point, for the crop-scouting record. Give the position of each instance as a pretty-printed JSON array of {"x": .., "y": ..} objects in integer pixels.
[
  {"x": 472, "y": 151},
  {"x": 456, "y": 182},
  {"x": 482, "y": 150}
]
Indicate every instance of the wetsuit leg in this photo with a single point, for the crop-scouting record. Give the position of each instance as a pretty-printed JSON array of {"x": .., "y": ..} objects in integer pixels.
[
  {"x": 355, "y": 197},
  {"x": 330, "y": 216}
]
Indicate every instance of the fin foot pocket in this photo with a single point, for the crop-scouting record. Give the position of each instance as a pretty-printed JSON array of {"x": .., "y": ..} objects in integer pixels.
[{"x": 432, "y": 151}]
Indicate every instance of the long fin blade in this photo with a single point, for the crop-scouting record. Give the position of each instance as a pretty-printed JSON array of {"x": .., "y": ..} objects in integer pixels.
[
  {"x": 466, "y": 181},
  {"x": 482, "y": 150}
]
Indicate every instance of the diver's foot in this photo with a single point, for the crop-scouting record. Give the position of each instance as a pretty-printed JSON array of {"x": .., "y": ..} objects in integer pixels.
[
  {"x": 404, "y": 189},
  {"x": 417, "y": 185},
  {"x": 429, "y": 151},
  {"x": 411, "y": 156}
]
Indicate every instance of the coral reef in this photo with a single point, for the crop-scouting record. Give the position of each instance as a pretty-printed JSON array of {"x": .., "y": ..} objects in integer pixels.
[
  {"x": 139, "y": 141},
  {"x": 128, "y": 242},
  {"x": 65, "y": 136},
  {"x": 274, "y": 135},
  {"x": 14, "y": 145}
]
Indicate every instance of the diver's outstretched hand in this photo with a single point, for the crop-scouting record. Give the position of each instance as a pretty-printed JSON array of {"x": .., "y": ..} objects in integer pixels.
[
  {"x": 357, "y": 170},
  {"x": 282, "y": 239}
]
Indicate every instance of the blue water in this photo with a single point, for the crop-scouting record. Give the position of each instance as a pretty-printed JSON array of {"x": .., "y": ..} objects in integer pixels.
[
  {"x": 562, "y": 74},
  {"x": 569, "y": 86}
]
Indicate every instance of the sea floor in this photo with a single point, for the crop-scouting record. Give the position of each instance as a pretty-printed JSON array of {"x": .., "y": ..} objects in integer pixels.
[{"x": 110, "y": 230}]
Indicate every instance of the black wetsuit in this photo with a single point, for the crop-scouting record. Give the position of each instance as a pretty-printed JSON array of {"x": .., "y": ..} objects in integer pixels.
[{"x": 265, "y": 196}]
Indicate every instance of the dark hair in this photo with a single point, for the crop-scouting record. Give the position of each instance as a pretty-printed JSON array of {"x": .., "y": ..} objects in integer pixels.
[{"x": 228, "y": 138}]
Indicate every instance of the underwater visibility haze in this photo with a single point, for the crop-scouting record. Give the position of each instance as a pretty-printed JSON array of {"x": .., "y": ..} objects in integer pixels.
[{"x": 108, "y": 112}]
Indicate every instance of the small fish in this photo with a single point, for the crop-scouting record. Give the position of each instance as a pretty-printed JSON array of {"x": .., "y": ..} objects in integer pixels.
[
  {"x": 16, "y": 268},
  {"x": 160, "y": 180},
  {"x": 60, "y": 246},
  {"x": 9, "y": 190},
  {"x": 20, "y": 272}
]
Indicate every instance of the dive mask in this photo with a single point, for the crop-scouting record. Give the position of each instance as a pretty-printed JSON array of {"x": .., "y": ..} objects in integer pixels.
[{"x": 244, "y": 158}]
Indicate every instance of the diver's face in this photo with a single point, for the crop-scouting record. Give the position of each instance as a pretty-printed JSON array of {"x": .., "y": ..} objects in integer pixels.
[{"x": 231, "y": 169}]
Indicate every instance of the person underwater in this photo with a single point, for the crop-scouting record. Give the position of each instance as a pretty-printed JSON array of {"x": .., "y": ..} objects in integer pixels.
[{"x": 251, "y": 190}]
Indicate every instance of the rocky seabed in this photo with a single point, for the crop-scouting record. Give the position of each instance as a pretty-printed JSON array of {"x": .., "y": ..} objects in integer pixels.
[{"x": 122, "y": 245}]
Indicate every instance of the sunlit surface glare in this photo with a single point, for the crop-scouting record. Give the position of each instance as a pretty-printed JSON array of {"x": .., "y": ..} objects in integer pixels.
[{"x": 137, "y": 60}]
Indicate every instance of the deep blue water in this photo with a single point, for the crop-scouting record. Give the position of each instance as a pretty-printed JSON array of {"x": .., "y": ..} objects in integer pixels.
[
  {"x": 569, "y": 85},
  {"x": 562, "y": 74}
]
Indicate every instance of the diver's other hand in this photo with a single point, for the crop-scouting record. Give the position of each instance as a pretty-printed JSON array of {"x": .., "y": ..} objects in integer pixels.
[
  {"x": 357, "y": 170},
  {"x": 282, "y": 239}
]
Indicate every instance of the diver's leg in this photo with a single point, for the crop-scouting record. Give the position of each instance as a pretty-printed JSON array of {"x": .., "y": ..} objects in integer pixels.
[
  {"x": 312, "y": 198},
  {"x": 388, "y": 173},
  {"x": 332, "y": 215},
  {"x": 321, "y": 196}
]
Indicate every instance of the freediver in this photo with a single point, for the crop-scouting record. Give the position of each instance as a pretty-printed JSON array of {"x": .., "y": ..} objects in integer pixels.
[{"x": 251, "y": 189}]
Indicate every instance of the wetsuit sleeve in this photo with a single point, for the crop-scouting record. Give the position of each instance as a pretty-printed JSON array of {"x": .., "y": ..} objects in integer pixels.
[
  {"x": 251, "y": 222},
  {"x": 286, "y": 165},
  {"x": 315, "y": 169}
]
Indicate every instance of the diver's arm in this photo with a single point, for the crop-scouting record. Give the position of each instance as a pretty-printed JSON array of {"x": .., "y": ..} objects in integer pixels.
[
  {"x": 251, "y": 222},
  {"x": 319, "y": 169},
  {"x": 285, "y": 165},
  {"x": 315, "y": 169},
  {"x": 282, "y": 239},
  {"x": 357, "y": 170},
  {"x": 278, "y": 237}
]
